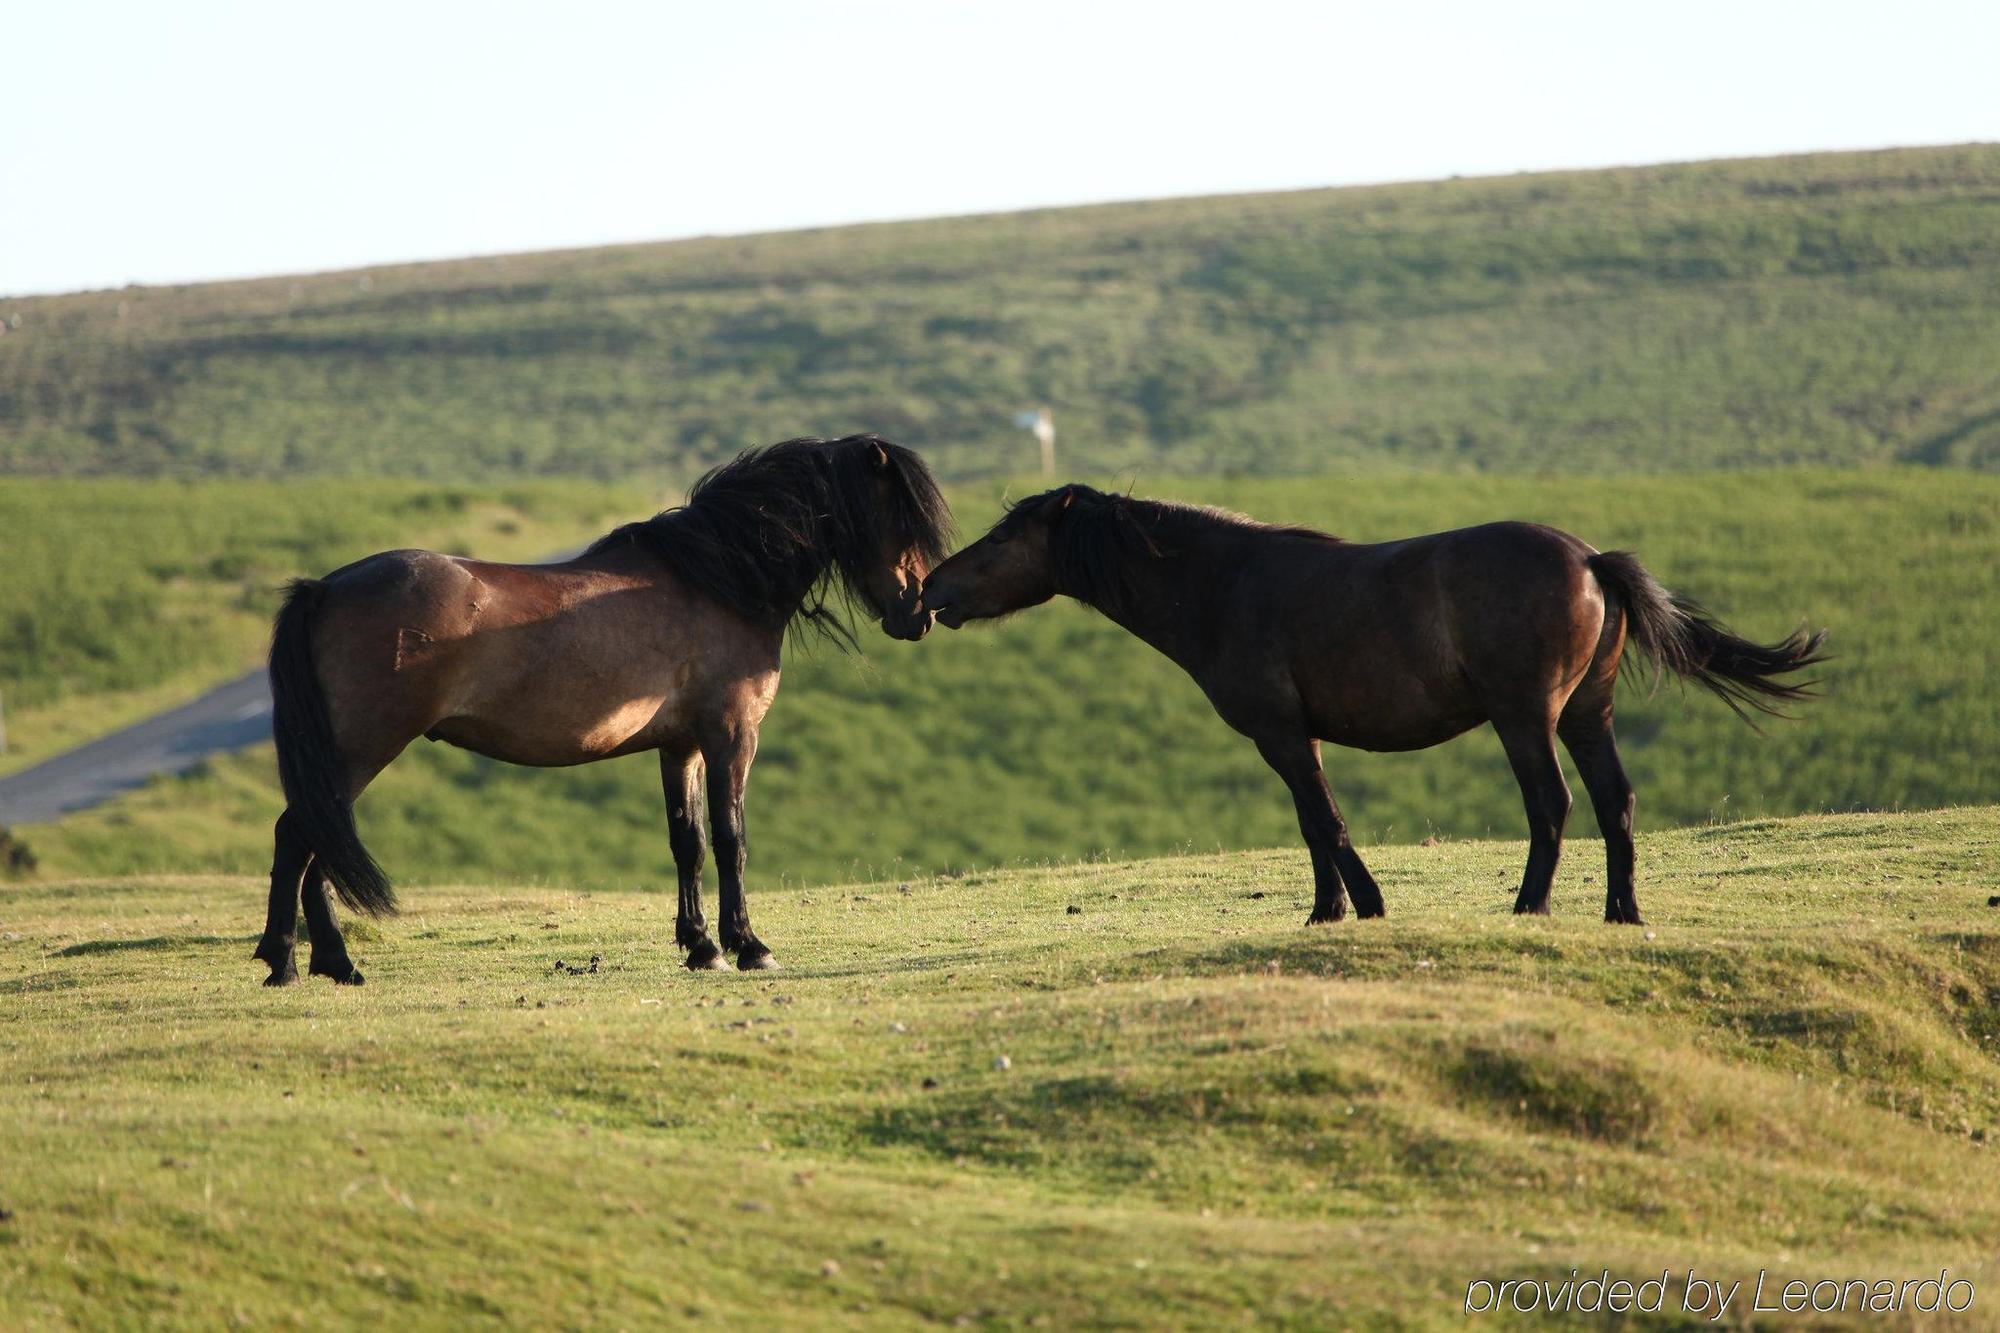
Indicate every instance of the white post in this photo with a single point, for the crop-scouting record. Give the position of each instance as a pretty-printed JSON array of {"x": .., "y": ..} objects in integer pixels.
[{"x": 1045, "y": 432}]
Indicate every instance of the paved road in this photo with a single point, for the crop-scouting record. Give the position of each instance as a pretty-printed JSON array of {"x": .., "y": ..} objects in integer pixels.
[{"x": 228, "y": 717}]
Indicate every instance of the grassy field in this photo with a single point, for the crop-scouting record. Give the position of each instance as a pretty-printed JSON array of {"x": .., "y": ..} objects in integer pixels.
[
  {"x": 1208, "y": 1115},
  {"x": 1055, "y": 735},
  {"x": 1838, "y": 308}
]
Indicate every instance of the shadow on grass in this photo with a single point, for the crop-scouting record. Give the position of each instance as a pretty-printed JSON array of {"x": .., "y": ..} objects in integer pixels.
[
  {"x": 1357, "y": 952},
  {"x": 39, "y": 982},
  {"x": 887, "y": 963},
  {"x": 91, "y": 948},
  {"x": 1023, "y": 1128}
]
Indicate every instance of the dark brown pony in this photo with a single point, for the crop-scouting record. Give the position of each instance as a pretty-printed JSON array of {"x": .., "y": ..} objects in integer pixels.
[
  {"x": 1298, "y": 637},
  {"x": 665, "y": 635}
]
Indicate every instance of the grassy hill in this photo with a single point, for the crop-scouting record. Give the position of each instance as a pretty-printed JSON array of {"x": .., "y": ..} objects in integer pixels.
[
  {"x": 1055, "y": 735},
  {"x": 1209, "y": 1114},
  {"x": 1836, "y": 309}
]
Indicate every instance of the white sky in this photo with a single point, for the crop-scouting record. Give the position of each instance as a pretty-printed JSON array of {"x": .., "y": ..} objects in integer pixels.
[{"x": 174, "y": 140}]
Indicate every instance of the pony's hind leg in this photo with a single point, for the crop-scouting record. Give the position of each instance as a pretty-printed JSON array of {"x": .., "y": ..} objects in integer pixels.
[
  {"x": 289, "y": 858},
  {"x": 329, "y": 956},
  {"x": 1531, "y": 749},
  {"x": 329, "y": 947},
  {"x": 681, "y": 780},
  {"x": 1586, "y": 732}
]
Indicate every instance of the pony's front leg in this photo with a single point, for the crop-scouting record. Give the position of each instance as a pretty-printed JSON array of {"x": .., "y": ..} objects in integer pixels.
[
  {"x": 680, "y": 777},
  {"x": 729, "y": 754},
  {"x": 1337, "y": 867}
]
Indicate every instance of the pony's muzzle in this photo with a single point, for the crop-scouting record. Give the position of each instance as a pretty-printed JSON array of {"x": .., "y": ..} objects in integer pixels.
[{"x": 907, "y": 625}]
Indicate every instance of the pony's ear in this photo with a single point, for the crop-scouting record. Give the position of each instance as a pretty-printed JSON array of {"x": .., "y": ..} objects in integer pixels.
[
  {"x": 1059, "y": 501},
  {"x": 878, "y": 455}
]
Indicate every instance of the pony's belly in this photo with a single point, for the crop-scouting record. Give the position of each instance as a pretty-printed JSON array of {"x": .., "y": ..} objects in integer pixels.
[
  {"x": 551, "y": 740},
  {"x": 1415, "y": 734},
  {"x": 1387, "y": 706},
  {"x": 1394, "y": 712}
]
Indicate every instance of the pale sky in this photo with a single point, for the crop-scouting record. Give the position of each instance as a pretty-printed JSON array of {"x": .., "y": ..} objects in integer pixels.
[{"x": 159, "y": 142}]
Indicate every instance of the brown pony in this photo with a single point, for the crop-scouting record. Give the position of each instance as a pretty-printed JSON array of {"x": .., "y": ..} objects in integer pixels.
[
  {"x": 1299, "y": 637},
  {"x": 664, "y": 635}
]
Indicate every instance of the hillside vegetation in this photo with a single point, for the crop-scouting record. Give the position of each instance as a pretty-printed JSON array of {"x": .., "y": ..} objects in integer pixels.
[
  {"x": 1838, "y": 308},
  {"x": 1206, "y": 1115},
  {"x": 1056, "y": 735}
]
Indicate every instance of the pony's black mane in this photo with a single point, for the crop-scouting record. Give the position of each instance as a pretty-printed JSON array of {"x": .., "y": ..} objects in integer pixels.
[
  {"x": 790, "y": 530},
  {"x": 1097, "y": 538}
]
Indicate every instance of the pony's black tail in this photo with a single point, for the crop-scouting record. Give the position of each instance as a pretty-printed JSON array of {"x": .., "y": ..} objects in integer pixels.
[
  {"x": 309, "y": 761},
  {"x": 1676, "y": 635}
]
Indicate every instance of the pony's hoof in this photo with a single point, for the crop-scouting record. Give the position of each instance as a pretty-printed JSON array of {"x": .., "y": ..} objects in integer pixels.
[
  {"x": 282, "y": 976},
  {"x": 344, "y": 974},
  {"x": 1531, "y": 909},
  {"x": 756, "y": 960},
  {"x": 1623, "y": 916},
  {"x": 1324, "y": 918},
  {"x": 705, "y": 957}
]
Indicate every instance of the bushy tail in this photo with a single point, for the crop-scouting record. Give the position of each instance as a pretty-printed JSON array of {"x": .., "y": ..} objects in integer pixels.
[
  {"x": 309, "y": 762},
  {"x": 1676, "y": 635}
]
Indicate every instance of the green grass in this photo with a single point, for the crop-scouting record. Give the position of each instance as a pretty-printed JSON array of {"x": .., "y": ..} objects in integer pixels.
[
  {"x": 1836, "y": 308},
  {"x": 1213, "y": 1115},
  {"x": 124, "y": 597},
  {"x": 1055, "y": 734}
]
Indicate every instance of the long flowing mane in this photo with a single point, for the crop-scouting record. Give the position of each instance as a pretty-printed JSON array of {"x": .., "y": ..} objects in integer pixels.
[
  {"x": 787, "y": 532},
  {"x": 1098, "y": 539}
]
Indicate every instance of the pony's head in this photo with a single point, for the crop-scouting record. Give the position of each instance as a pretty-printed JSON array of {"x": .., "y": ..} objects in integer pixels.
[
  {"x": 1075, "y": 540},
  {"x": 890, "y": 525},
  {"x": 786, "y": 533}
]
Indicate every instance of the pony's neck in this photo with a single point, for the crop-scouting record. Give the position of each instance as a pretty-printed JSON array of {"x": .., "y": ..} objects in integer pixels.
[
  {"x": 791, "y": 580},
  {"x": 1168, "y": 599},
  {"x": 760, "y": 570}
]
